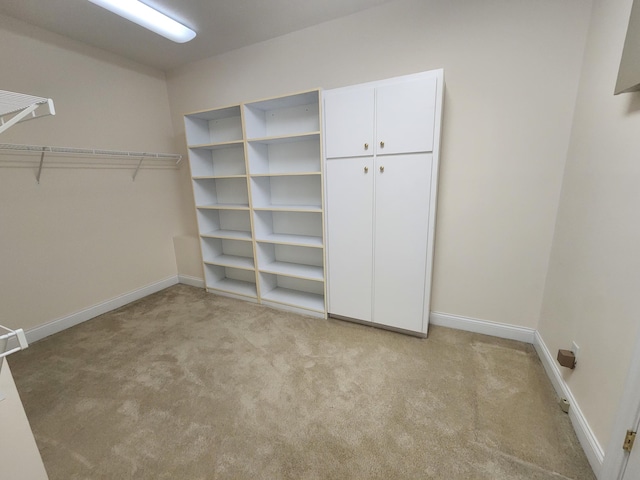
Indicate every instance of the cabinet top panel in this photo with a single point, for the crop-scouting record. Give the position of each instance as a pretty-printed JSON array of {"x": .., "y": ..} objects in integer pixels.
[
  {"x": 289, "y": 101},
  {"x": 435, "y": 74},
  {"x": 215, "y": 114}
]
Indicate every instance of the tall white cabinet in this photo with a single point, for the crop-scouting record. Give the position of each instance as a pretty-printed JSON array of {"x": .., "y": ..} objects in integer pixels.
[
  {"x": 382, "y": 144},
  {"x": 258, "y": 189}
]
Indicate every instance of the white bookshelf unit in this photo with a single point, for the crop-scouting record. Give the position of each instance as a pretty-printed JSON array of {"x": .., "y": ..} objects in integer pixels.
[{"x": 257, "y": 175}]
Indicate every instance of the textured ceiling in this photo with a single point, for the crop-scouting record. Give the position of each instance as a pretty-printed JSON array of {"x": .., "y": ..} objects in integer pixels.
[{"x": 221, "y": 25}]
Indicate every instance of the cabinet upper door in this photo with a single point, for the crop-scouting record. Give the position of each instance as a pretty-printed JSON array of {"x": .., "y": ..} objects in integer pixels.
[
  {"x": 349, "y": 117},
  {"x": 405, "y": 116}
]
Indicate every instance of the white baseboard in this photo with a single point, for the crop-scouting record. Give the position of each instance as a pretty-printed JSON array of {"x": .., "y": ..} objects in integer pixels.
[
  {"x": 69, "y": 321},
  {"x": 193, "y": 281},
  {"x": 588, "y": 440},
  {"x": 501, "y": 330}
]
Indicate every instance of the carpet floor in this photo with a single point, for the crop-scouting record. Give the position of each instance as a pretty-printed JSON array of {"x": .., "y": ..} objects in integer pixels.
[{"x": 189, "y": 385}]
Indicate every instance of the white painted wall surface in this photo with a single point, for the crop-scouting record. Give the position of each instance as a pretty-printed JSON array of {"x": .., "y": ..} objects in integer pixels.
[
  {"x": 591, "y": 295},
  {"x": 83, "y": 236},
  {"x": 511, "y": 70}
]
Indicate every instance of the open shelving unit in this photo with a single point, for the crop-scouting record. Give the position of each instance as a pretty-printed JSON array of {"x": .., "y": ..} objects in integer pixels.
[
  {"x": 257, "y": 175},
  {"x": 221, "y": 196}
]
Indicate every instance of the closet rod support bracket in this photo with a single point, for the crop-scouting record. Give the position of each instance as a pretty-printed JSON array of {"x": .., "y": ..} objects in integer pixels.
[
  {"x": 41, "y": 164},
  {"x": 135, "y": 174}
]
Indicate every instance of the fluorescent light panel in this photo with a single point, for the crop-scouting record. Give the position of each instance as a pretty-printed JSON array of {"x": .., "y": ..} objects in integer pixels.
[{"x": 147, "y": 17}]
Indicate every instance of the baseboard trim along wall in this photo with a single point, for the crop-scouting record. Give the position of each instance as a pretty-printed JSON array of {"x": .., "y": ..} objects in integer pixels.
[
  {"x": 193, "y": 281},
  {"x": 69, "y": 321},
  {"x": 588, "y": 440},
  {"x": 485, "y": 327}
]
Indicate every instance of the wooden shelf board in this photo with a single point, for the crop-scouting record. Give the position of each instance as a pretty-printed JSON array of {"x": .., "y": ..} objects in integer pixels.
[
  {"x": 235, "y": 261},
  {"x": 295, "y": 298},
  {"x": 308, "y": 272},
  {"x": 296, "y": 137},
  {"x": 293, "y": 100},
  {"x": 287, "y": 239},
  {"x": 214, "y": 177},
  {"x": 217, "y": 145},
  {"x": 225, "y": 206},
  {"x": 230, "y": 234},
  {"x": 289, "y": 208},
  {"x": 231, "y": 111},
  {"x": 284, "y": 174},
  {"x": 237, "y": 287}
]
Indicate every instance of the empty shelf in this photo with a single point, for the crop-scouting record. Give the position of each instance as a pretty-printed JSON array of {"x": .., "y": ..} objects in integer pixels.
[
  {"x": 225, "y": 206},
  {"x": 235, "y": 261},
  {"x": 288, "y": 239},
  {"x": 230, "y": 234},
  {"x": 309, "y": 272},
  {"x": 295, "y": 298},
  {"x": 289, "y": 208},
  {"x": 237, "y": 287}
]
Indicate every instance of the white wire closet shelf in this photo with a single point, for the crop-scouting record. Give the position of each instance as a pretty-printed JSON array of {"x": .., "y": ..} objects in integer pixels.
[
  {"x": 19, "y": 107},
  {"x": 157, "y": 160},
  {"x": 7, "y": 337}
]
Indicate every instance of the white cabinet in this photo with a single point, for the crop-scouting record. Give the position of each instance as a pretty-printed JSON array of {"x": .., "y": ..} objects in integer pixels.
[
  {"x": 258, "y": 190},
  {"x": 349, "y": 133},
  {"x": 382, "y": 145},
  {"x": 405, "y": 115},
  {"x": 382, "y": 119},
  {"x": 349, "y": 237},
  {"x": 401, "y": 203}
]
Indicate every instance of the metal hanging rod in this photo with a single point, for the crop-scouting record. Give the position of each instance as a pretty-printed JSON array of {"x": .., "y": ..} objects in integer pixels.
[{"x": 10, "y": 148}]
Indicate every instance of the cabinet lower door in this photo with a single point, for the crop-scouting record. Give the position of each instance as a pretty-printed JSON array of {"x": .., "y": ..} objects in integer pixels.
[
  {"x": 402, "y": 196},
  {"x": 349, "y": 210}
]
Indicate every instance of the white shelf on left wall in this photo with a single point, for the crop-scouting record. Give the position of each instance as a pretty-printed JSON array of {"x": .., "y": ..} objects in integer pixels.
[{"x": 19, "y": 107}]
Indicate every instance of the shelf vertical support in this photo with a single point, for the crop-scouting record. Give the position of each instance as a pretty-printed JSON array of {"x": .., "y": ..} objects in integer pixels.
[{"x": 41, "y": 163}]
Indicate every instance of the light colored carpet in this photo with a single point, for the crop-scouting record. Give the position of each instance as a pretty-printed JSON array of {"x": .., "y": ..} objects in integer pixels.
[{"x": 189, "y": 385}]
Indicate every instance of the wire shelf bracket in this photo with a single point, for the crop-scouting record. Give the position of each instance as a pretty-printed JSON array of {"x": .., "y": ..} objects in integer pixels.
[
  {"x": 8, "y": 335},
  {"x": 5, "y": 338},
  {"x": 19, "y": 107}
]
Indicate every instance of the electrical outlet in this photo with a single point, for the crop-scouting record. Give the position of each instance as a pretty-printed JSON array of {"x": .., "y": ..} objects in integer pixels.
[{"x": 575, "y": 349}]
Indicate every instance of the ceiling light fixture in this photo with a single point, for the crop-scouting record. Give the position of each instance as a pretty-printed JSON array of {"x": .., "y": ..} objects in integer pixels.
[{"x": 149, "y": 18}]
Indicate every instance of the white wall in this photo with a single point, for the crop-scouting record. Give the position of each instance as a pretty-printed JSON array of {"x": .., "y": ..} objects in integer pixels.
[
  {"x": 591, "y": 295},
  {"x": 82, "y": 236},
  {"x": 511, "y": 70}
]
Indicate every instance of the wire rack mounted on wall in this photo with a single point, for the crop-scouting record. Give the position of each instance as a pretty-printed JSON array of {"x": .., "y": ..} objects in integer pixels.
[
  {"x": 19, "y": 107},
  {"x": 83, "y": 157}
]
